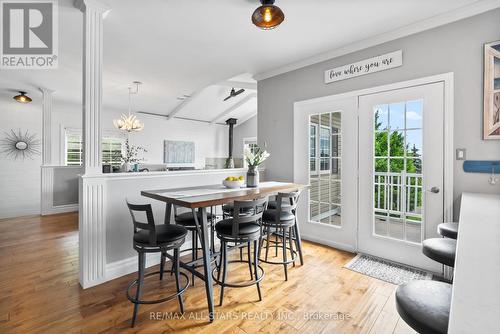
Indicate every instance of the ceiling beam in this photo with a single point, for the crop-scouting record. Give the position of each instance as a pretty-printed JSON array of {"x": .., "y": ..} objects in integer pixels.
[
  {"x": 239, "y": 84},
  {"x": 183, "y": 104},
  {"x": 177, "y": 117},
  {"x": 233, "y": 107}
]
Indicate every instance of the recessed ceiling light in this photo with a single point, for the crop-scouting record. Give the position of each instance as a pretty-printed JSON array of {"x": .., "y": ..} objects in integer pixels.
[
  {"x": 268, "y": 16},
  {"x": 22, "y": 97}
]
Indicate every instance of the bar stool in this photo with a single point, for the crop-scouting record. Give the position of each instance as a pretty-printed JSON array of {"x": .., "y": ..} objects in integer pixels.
[
  {"x": 442, "y": 250},
  {"x": 281, "y": 219},
  {"x": 242, "y": 228},
  {"x": 448, "y": 230},
  {"x": 296, "y": 233},
  {"x": 425, "y": 305},
  {"x": 186, "y": 219},
  {"x": 228, "y": 212},
  {"x": 151, "y": 238}
]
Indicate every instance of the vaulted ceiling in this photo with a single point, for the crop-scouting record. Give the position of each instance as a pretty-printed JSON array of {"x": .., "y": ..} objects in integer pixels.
[{"x": 189, "y": 47}]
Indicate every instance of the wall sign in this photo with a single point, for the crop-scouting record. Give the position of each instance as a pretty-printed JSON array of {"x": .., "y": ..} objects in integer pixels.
[{"x": 367, "y": 66}]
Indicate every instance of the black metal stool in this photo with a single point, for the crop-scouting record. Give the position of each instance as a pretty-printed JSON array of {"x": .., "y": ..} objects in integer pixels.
[
  {"x": 425, "y": 305},
  {"x": 228, "y": 212},
  {"x": 448, "y": 230},
  {"x": 282, "y": 219},
  {"x": 441, "y": 250},
  {"x": 296, "y": 236},
  {"x": 243, "y": 228},
  {"x": 186, "y": 219},
  {"x": 151, "y": 238}
]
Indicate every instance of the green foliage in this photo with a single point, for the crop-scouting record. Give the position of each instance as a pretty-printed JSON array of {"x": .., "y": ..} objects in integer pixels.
[{"x": 392, "y": 144}]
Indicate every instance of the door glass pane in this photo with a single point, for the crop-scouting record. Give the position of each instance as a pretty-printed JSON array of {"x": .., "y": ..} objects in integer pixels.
[
  {"x": 397, "y": 164},
  {"x": 397, "y": 116},
  {"x": 414, "y": 114},
  {"x": 325, "y": 160},
  {"x": 397, "y": 144},
  {"x": 381, "y": 121},
  {"x": 414, "y": 143}
]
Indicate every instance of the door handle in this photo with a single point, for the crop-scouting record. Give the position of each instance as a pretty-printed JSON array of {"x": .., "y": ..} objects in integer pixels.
[{"x": 434, "y": 190}]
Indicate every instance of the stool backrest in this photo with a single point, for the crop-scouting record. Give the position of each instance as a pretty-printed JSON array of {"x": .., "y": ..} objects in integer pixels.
[
  {"x": 248, "y": 212},
  {"x": 149, "y": 225},
  {"x": 290, "y": 199}
]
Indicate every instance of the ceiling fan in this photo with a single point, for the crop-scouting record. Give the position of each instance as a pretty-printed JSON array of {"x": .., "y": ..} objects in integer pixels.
[{"x": 234, "y": 93}]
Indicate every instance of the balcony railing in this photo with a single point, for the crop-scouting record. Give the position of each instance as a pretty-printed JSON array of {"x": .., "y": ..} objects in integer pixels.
[{"x": 398, "y": 195}]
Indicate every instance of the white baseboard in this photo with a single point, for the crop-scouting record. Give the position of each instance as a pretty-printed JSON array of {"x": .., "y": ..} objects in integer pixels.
[
  {"x": 59, "y": 209},
  {"x": 326, "y": 242},
  {"x": 129, "y": 265}
]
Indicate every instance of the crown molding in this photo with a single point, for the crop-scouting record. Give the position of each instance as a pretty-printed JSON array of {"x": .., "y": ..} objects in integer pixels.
[
  {"x": 473, "y": 9},
  {"x": 83, "y": 5}
]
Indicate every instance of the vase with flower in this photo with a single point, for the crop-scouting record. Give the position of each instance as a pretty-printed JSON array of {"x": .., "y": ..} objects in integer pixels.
[{"x": 254, "y": 158}]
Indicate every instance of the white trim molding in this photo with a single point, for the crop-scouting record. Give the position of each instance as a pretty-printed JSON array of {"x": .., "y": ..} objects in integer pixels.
[
  {"x": 46, "y": 125},
  {"x": 473, "y": 9},
  {"x": 92, "y": 232}
]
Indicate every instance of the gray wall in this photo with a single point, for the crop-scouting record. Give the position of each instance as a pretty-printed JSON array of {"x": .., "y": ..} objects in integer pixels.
[
  {"x": 244, "y": 130},
  {"x": 66, "y": 185},
  {"x": 456, "y": 47}
]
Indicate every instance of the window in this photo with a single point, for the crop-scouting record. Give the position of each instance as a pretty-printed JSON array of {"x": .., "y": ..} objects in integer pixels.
[
  {"x": 249, "y": 143},
  {"x": 111, "y": 149},
  {"x": 325, "y": 143},
  {"x": 313, "y": 129},
  {"x": 74, "y": 151}
]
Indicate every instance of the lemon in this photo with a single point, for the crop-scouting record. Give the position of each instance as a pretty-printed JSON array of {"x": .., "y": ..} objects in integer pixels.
[{"x": 241, "y": 178}]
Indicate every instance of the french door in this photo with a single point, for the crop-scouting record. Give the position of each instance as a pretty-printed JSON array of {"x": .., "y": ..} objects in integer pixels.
[
  {"x": 327, "y": 135},
  {"x": 401, "y": 150},
  {"x": 375, "y": 165}
]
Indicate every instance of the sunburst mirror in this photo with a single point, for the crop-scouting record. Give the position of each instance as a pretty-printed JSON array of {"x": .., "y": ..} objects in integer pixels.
[{"x": 20, "y": 145}]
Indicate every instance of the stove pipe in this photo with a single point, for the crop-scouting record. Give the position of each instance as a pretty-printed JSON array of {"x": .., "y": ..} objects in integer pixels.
[{"x": 231, "y": 122}]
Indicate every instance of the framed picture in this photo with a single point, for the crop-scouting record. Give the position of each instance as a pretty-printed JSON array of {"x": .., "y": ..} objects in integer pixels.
[
  {"x": 178, "y": 153},
  {"x": 492, "y": 90}
]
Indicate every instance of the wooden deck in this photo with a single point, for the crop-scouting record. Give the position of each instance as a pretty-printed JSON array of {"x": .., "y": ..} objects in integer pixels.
[{"x": 40, "y": 293}]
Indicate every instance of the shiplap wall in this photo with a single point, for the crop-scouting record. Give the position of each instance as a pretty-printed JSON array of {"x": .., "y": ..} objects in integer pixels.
[{"x": 19, "y": 179}]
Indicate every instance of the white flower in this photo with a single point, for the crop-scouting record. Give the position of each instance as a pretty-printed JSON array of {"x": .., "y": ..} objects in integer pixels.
[{"x": 255, "y": 158}]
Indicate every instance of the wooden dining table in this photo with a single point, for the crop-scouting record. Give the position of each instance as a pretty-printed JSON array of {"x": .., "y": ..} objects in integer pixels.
[{"x": 202, "y": 197}]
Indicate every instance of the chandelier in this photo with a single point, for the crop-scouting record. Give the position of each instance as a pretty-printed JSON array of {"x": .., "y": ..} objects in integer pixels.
[{"x": 129, "y": 122}]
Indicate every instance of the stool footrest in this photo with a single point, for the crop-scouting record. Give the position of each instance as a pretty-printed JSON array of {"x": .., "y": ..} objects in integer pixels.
[
  {"x": 157, "y": 301},
  {"x": 239, "y": 285}
]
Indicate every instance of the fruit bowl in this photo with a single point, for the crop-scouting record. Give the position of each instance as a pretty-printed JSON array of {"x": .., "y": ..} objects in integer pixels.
[{"x": 233, "y": 184}]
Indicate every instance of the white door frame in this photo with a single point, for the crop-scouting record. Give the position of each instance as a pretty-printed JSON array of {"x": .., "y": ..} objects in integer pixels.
[{"x": 446, "y": 78}]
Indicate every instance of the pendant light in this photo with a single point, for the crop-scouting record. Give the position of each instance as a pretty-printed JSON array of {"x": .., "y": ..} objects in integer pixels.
[
  {"x": 268, "y": 16},
  {"x": 129, "y": 122},
  {"x": 22, "y": 97}
]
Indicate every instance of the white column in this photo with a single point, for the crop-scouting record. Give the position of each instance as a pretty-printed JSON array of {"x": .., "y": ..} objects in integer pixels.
[
  {"x": 92, "y": 215},
  {"x": 47, "y": 174},
  {"x": 46, "y": 126},
  {"x": 93, "y": 15}
]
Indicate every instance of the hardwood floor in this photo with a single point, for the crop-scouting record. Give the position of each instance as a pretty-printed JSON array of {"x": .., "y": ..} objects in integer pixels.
[{"x": 40, "y": 293}]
